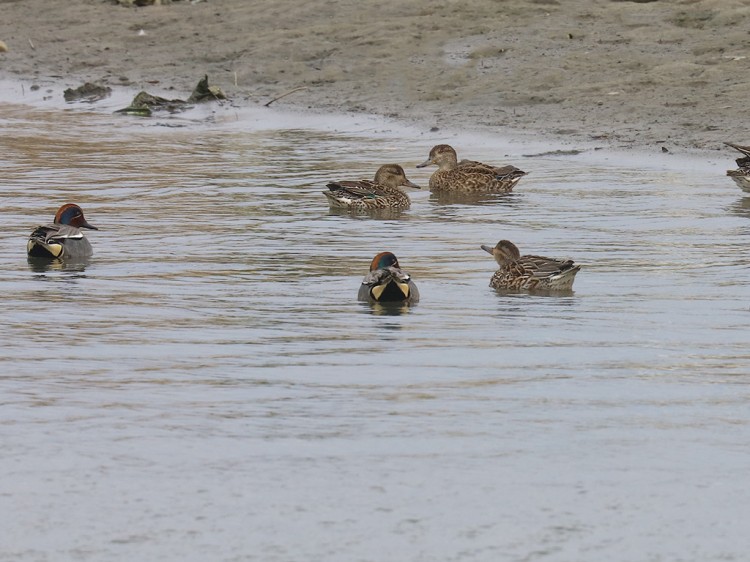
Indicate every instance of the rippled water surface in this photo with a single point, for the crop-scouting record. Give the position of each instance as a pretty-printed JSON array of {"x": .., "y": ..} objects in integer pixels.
[{"x": 206, "y": 387}]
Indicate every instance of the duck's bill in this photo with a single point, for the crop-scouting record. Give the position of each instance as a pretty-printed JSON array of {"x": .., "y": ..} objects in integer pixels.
[
  {"x": 487, "y": 249},
  {"x": 85, "y": 224},
  {"x": 424, "y": 164},
  {"x": 407, "y": 183}
]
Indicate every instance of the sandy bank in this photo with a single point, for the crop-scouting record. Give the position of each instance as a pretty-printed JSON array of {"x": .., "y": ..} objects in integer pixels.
[{"x": 635, "y": 74}]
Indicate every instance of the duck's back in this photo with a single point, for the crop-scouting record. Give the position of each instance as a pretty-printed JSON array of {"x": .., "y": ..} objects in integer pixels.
[
  {"x": 536, "y": 272},
  {"x": 365, "y": 194},
  {"x": 472, "y": 176},
  {"x": 501, "y": 171},
  {"x": 58, "y": 241},
  {"x": 388, "y": 285}
]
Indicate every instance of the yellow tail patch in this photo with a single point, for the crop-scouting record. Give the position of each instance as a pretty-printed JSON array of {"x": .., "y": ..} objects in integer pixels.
[
  {"x": 55, "y": 250},
  {"x": 404, "y": 288},
  {"x": 377, "y": 290}
]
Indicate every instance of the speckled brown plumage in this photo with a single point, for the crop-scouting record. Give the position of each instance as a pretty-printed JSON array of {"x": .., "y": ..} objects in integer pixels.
[
  {"x": 364, "y": 195},
  {"x": 468, "y": 176},
  {"x": 529, "y": 273}
]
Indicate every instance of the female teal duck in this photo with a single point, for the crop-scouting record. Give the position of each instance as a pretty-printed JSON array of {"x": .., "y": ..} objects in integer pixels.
[
  {"x": 365, "y": 195},
  {"x": 519, "y": 272},
  {"x": 741, "y": 175},
  {"x": 467, "y": 175},
  {"x": 386, "y": 282},
  {"x": 63, "y": 238}
]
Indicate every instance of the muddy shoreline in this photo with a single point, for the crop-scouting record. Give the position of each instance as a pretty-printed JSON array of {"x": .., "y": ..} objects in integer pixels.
[{"x": 666, "y": 73}]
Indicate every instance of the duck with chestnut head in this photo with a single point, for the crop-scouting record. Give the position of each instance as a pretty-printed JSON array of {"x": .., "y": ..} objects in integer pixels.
[
  {"x": 63, "y": 238},
  {"x": 387, "y": 282}
]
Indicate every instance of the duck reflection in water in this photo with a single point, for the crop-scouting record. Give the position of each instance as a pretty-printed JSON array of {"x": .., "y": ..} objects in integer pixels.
[
  {"x": 741, "y": 207},
  {"x": 510, "y": 200},
  {"x": 45, "y": 265},
  {"x": 387, "y": 309}
]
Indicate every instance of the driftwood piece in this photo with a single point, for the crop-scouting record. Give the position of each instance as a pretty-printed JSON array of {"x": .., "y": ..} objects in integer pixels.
[{"x": 285, "y": 95}]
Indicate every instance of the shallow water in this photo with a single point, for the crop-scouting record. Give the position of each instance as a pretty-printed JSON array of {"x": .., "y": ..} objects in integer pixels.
[{"x": 206, "y": 387}]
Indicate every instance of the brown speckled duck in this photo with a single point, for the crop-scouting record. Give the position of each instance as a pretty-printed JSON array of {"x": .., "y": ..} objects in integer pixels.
[
  {"x": 741, "y": 175},
  {"x": 387, "y": 283},
  {"x": 63, "y": 238},
  {"x": 468, "y": 176},
  {"x": 519, "y": 272},
  {"x": 366, "y": 195}
]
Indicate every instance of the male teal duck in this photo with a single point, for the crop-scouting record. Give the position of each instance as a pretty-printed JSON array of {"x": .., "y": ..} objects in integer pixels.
[
  {"x": 366, "y": 195},
  {"x": 467, "y": 175},
  {"x": 519, "y": 272},
  {"x": 387, "y": 283},
  {"x": 741, "y": 175},
  {"x": 63, "y": 238}
]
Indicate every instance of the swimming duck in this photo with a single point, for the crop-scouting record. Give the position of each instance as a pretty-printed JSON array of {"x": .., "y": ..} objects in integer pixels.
[
  {"x": 63, "y": 238},
  {"x": 386, "y": 282},
  {"x": 363, "y": 195},
  {"x": 468, "y": 175},
  {"x": 741, "y": 175},
  {"x": 519, "y": 272}
]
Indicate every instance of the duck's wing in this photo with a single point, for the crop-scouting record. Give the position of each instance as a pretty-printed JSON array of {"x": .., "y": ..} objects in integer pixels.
[
  {"x": 51, "y": 241},
  {"x": 50, "y": 232},
  {"x": 500, "y": 172},
  {"x": 536, "y": 273},
  {"x": 354, "y": 190},
  {"x": 540, "y": 267}
]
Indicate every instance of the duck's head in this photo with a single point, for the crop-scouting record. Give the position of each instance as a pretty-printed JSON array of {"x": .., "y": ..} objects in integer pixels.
[
  {"x": 384, "y": 260},
  {"x": 393, "y": 175},
  {"x": 442, "y": 156},
  {"x": 503, "y": 251},
  {"x": 73, "y": 215}
]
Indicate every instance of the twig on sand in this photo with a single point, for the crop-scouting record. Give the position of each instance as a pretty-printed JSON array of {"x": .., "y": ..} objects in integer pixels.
[
  {"x": 285, "y": 95},
  {"x": 31, "y": 43}
]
